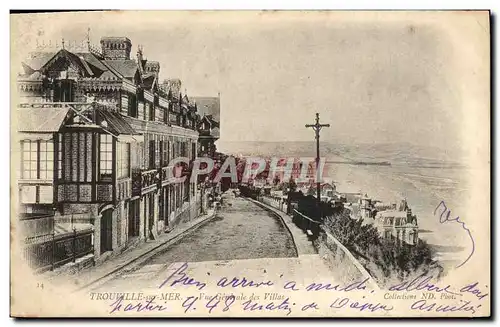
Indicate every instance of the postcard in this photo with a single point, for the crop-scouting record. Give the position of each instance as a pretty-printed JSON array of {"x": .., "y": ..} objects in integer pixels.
[{"x": 250, "y": 164}]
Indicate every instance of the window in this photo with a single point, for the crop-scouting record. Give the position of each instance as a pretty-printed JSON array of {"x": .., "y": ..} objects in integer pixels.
[
  {"x": 123, "y": 160},
  {"x": 157, "y": 154},
  {"x": 132, "y": 106},
  {"x": 152, "y": 152},
  {"x": 38, "y": 159},
  {"x": 30, "y": 159},
  {"x": 106, "y": 156},
  {"x": 59, "y": 157},
  {"x": 164, "y": 153},
  {"x": 165, "y": 115},
  {"x": 46, "y": 160},
  {"x": 151, "y": 109}
]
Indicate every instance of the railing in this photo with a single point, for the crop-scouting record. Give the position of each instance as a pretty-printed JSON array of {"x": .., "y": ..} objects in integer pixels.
[
  {"x": 166, "y": 174},
  {"x": 308, "y": 225},
  {"x": 346, "y": 265},
  {"x": 60, "y": 250},
  {"x": 144, "y": 181}
]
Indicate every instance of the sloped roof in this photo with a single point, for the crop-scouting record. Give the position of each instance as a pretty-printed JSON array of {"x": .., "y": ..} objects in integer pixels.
[
  {"x": 153, "y": 64},
  {"x": 127, "y": 68},
  {"x": 208, "y": 106},
  {"x": 116, "y": 122},
  {"x": 213, "y": 122},
  {"x": 172, "y": 85},
  {"x": 148, "y": 81},
  {"x": 78, "y": 61},
  {"x": 41, "y": 120}
]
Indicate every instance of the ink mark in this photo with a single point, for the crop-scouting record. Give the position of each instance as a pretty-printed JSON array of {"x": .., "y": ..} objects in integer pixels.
[{"x": 444, "y": 217}]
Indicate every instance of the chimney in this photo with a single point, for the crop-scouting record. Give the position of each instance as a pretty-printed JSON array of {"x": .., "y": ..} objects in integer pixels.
[{"x": 116, "y": 48}]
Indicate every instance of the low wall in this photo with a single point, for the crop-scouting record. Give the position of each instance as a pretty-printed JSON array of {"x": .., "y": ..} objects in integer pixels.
[
  {"x": 342, "y": 262},
  {"x": 345, "y": 266}
]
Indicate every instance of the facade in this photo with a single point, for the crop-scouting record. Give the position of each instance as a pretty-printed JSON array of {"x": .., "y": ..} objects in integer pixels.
[
  {"x": 398, "y": 224},
  {"x": 209, "y": 124},
  {"x": 97, "y": 131}
]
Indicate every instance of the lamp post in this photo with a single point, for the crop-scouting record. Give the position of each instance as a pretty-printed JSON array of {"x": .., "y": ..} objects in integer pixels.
[{"x": 317, "y": 128}]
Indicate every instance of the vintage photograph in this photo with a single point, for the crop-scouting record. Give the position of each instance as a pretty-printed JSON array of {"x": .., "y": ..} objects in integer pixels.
[{"x": 250, "y": 164}]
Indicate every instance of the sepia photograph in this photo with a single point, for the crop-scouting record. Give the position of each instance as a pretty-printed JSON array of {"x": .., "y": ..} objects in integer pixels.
[{"x": 250, "y": 164}]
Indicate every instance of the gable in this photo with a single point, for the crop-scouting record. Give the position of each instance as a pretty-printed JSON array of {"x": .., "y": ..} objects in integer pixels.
[{"x": 66, "y": 61}]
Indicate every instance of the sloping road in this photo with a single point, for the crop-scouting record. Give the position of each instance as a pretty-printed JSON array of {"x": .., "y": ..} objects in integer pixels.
[{"x": 241, "y": 230}]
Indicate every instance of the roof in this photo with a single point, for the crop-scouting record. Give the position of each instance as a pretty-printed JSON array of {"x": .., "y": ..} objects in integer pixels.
[
  {"x": 127, "y": 68},
  {"x": 213, "y": 122},
  {"x": 208, "y": 106},
  {"x": 116, "y": 122},
  {"x": 172, "y": 85},
  {"x": 153, "y": 64},
  {"x": 91, "y": 59},
  {"x": 75, "y": 59},
  {"x": 115, "y": 39},
  {"x": 44, "y": 120},
  {"x": 148, "y": 81},
  {"x": 392, "y": 213}
]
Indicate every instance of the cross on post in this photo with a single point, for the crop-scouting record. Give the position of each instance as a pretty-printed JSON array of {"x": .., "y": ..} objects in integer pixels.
[{"x": 317, "y": 128}]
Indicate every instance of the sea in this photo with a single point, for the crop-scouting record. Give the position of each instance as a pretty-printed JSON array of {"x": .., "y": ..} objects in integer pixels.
[{"x": 422, "y": 175}]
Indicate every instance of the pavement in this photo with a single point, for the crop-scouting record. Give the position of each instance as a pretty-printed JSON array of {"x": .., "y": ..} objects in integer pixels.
[
  {"x": 86, "y": 276},
  {"x": 302, "y": 243},
  {"x": 241, "y": 230}
]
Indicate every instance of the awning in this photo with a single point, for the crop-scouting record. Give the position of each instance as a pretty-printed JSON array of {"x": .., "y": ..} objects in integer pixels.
[
  {"x": 35, "y": 136},
  {"x": 42, "y": 120},
  {"x": 116, "y": 123}
]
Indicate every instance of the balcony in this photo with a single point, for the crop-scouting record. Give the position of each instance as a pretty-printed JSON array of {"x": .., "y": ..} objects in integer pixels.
[
  {"x": 144, "y": 181},
  {"x": 167, "y": 175}
]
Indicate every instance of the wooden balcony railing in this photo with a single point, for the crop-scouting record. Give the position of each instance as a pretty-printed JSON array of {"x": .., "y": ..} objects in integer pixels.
[
  {"x": 167, "y": 175},
  {"x": 144, "y": 181}
]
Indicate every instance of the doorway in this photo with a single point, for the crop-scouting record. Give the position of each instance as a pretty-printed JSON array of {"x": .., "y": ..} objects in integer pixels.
[{"x": 107, "y": 231}]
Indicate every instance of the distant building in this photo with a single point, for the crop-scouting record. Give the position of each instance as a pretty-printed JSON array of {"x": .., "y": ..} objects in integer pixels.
[
  {"x": 209, "y": 125},
  {"x": 398, "y": 224}
]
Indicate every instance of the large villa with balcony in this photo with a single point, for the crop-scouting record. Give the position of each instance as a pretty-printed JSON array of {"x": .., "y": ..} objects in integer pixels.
[{"x": 97, "y": 131}]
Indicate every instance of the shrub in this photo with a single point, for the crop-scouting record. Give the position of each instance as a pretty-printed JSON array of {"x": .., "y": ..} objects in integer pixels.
[{"x": 392, "y": 259}]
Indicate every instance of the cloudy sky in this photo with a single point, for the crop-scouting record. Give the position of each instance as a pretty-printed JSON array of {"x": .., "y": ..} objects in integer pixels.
[{"x": 373, "y": 78}]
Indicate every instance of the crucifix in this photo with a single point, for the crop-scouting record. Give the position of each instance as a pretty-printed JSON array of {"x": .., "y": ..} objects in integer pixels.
[{"x": 317, "y": 128}]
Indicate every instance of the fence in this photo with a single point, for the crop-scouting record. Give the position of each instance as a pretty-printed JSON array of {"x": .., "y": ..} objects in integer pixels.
[
  {"x": 60, "y": 250},
  {"x": 308, "y": 225},
  {"x": 275, "y": 202}
]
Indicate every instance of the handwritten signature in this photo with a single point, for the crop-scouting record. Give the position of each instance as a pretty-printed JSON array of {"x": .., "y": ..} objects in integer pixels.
[{"x": 444, "y": 217}]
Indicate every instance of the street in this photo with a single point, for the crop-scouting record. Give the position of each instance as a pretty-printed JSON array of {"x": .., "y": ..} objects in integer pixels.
[{"x": 240, "y": 230}]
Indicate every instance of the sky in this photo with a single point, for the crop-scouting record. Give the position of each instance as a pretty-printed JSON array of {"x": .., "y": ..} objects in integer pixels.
[{"x": 373, "y": 79}]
